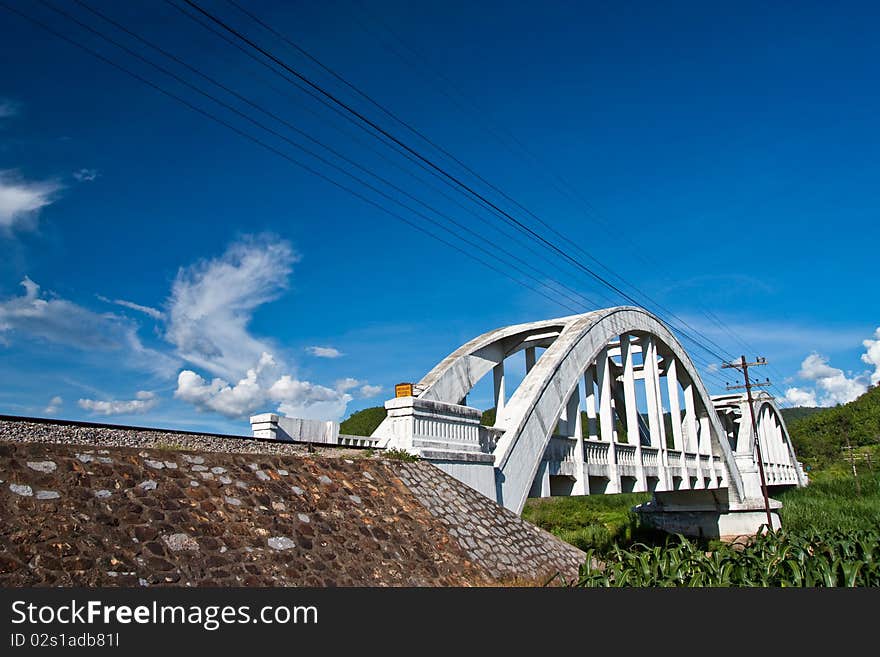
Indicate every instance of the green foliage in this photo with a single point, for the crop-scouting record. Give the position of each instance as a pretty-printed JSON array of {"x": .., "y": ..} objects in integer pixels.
[
  {"x": 399, "y": 455},
  {"x": 488, "y": 419},
  {"x": 363, "y": 423},
  {"x": 781, "y": 558},
  {"x": 594, "y": 521},
  {"x": 819, "y": 438}
]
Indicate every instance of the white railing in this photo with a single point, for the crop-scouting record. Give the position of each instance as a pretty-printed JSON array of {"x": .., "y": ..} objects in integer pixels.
[
  {"x": 489, "y": 437},
  {"x": 561, "y": 449},
  {"x": 626, "y": 454},
  {"x": 650, "y": 457},
  {"x": 596, "y": 452},
  {"x": 357, "y": 441}
]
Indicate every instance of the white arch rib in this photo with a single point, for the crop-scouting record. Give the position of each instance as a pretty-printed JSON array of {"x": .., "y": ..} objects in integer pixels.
[
  {"x": 527, "y": 420},
  {"x": 530, "y": 415}
]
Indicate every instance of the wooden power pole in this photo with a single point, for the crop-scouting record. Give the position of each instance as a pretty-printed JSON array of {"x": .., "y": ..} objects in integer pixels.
[{"x": 744, "y": 366}]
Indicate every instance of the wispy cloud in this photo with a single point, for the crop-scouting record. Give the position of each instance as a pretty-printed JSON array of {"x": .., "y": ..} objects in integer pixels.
[
  {"x": 324, "y": 352},
  {"x": 212, "y": 303},
  {"x": 54, "y": 405},
  {"x": 146, "y": 310},
  {"x": 35, "y": 315},
  {"x": 21, "y": 201},
  {"x": 143, "y": 402},
  {"x": 712, "y": 283},
  {"x": 85, "y": 175},
  {"x": 368, "y": 391},
  {"x": 779, "y": 339},
  {"x": 206, "y": 324}
]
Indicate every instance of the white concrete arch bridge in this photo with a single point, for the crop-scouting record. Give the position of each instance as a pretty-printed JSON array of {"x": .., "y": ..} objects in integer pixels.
[{"x": 613, "y": 403}]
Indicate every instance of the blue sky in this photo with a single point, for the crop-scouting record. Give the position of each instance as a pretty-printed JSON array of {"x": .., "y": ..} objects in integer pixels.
[{"x": 160, "y": 269}]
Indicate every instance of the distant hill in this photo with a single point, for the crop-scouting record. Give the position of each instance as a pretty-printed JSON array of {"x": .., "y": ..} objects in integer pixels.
[
  {"x": 363, "y": 423},
  {"x": 799, "y": 412}
]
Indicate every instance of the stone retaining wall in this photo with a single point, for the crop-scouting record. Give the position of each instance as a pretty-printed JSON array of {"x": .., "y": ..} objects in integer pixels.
[{"x": 102, "y": 507}]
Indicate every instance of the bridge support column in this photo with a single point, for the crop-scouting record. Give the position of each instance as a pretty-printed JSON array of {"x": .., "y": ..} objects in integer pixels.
[
  {"x": 541, "y": 485},
  {"x": 606, "y": 419},
  {"x": 706, "y": 514},
  {"x": 632, "y": 410},
  {"x": 706, "y": 449},
  {"x": 574, "y": 429},
  {"x": 655, "y": 406},
  {"x": 498, "y": 377},
  {"x": 692, "y": 437},
  {"x": 675, "y": 417},
  {"x": 590, "y": 396},
  {"x": 530, "y": 358}
]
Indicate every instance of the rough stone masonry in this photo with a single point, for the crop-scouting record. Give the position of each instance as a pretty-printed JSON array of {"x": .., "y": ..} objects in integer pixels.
[{"x": 96, "y": 506}]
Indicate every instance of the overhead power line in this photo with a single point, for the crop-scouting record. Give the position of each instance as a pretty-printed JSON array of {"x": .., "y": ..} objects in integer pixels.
[
  {"x": 378, "y": 128},
  {"x": 267, "y": 146},
  {"x": 317, "y": 142},
  {"x": 293, "y": 143},
  {"x": 506, "y": 137}
]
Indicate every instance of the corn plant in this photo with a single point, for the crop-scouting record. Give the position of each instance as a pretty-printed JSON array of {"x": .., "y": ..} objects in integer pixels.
[{"x": 827, "y": 558}]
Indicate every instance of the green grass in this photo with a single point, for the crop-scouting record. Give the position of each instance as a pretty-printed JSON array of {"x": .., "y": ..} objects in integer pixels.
[
  {"x": 593, "y": 521},
  {"x": 601, "y": 522},
  {"x": 831, "y": 502}
]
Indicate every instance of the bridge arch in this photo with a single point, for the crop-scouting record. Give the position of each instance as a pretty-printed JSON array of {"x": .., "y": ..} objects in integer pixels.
[
  {"x": 585, "y": 350},
  {"x": 780, "y": 462},
  {"x": 596, "y": 350}
]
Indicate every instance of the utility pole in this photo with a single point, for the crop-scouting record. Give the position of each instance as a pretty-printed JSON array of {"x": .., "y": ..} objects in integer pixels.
[
  {"x": 744, "y": 366},
  {"x": 852, "y": 457}
]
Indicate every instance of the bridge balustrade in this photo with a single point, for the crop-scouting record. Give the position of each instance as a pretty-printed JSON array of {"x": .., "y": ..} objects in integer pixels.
[{"x": 596, "y": 452}]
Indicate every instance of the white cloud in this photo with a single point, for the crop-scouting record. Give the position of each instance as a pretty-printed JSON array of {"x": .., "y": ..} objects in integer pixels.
[
  {"x": 872, "y": 355},
  {"x": 346, "y": 384},
  {"x": 85, "y": 175},
  {"x": 259, "y": 387},
  {"x": 54, "y": 405},
  {"x": 147, "y": 310},
  {"x": 308, "y": 400},
  {"x": 799, "y": 397},
  {"x": 212, "y": 303},
  {"x": 21, "y": 201},
  {"x": 143, "y": 402},
  {"x": 324, "y": 352},
  {"x": 207, "y": 323},
  {"x": 368, "y": 391},
  {"x": 364, "y": 389},
  {"x": 60, "y": 321},
  {"x": 833, "y": 386}
]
